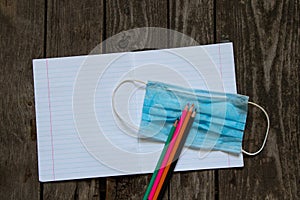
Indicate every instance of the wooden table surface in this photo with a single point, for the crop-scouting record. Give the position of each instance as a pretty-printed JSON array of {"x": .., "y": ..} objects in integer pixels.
[{"x": 266, "y": 39}]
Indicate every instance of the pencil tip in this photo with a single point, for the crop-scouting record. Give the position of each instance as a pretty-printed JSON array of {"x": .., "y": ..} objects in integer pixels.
[
  {"x": 176, "y": 122},
  {"x": 194, "y": 113},
  {"x": 191, "y": 108},
  {"x": 186, "y": 106}
]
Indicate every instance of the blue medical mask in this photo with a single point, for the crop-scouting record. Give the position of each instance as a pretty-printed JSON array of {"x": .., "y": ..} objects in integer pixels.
[{"x": 219, "y": 123}]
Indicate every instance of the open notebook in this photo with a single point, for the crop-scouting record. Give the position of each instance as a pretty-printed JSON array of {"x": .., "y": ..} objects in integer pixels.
[{"x": 79, "y": 135}]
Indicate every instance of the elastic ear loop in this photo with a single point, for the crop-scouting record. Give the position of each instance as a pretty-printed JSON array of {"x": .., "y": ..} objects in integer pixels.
[
  {"x": 114, "y": 103},
  {"x": 267, "y": 131}
]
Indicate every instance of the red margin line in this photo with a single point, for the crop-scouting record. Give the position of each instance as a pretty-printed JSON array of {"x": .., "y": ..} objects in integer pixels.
[{"x": 50, "y": 120}]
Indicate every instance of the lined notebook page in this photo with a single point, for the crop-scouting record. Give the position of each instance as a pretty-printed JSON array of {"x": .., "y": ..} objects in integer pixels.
[{"x": 79, "y": 134}]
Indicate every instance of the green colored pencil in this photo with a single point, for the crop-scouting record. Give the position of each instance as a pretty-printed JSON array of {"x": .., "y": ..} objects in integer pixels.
[{"x": 158, "y": 165}]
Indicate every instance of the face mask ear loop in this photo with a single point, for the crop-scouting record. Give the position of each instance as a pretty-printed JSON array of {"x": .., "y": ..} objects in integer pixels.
[
  {"x": 267, "y": 131},
  {"x": 114, "y": 103}
]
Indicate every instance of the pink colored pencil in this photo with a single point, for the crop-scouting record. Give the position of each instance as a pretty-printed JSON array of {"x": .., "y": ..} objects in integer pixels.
[{"x": 166, "y": 158}]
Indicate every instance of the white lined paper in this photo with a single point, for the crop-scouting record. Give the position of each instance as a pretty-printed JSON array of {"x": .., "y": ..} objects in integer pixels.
[{"x": 66, "y": 153}]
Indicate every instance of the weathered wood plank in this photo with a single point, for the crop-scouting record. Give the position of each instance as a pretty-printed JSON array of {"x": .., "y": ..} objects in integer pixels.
[
  {"x": 21, "y": 39},
  {"x": 127, "y": 187},
  {"x": 266, "y": 43},
  {"x": 121, "y": 16},
  {"x": 126, "y": 15},
  {"x": 193, "y": 18},
  {"x": 73, "y": 28},
  {"x": 196, "y": 20}
]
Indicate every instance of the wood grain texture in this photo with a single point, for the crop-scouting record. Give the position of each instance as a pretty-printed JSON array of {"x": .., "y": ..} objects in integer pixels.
[
  {"x": 73, "y": 28},
  {"x": 266, "y": 44},
  {"x": 21, "y": 39},
  {"x": 122, "y": 16},
  {"x": 126, "y": 15},
  {"x": 196, "y": 20},
  {"x": 127, "y": 187}
]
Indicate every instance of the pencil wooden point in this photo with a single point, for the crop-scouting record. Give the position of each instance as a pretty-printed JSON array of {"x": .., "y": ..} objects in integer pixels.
[
  {"x": 186, "y": 106},
  {"x": 176, "y": 122},
  {"x": 194, "y": 113},
  {"x": 191, "y": 108}
]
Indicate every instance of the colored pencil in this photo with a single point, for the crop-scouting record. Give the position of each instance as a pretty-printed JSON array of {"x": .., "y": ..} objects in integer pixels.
[
  {"x": 169, "y": 150},
  {"x": 172, "y": 155},
  {"x": 176, "y": 158},
  {"x": 162, "y": 155}
]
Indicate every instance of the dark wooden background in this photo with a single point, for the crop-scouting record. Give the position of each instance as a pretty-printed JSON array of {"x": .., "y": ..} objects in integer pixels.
[{"x": 266, "y": 46}]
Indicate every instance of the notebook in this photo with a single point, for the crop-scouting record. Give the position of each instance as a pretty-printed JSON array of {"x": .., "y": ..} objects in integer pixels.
[{"x": 79, "y": 134}]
